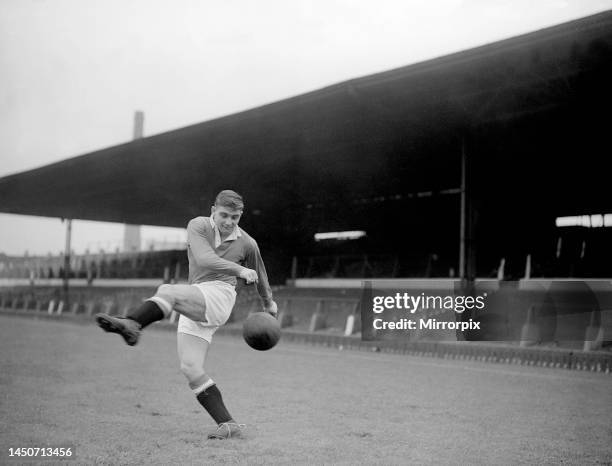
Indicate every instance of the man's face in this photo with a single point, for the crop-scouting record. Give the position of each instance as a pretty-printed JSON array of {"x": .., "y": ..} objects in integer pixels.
[{"x": 225, "y": 219}]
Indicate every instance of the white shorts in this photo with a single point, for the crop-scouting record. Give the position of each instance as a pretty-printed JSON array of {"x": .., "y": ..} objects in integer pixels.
[{"x": 220, "y": 298}]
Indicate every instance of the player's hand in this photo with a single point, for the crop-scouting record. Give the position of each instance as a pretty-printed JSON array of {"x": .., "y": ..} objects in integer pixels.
[
  {"x": 249, "y": 275},
  {"x": 271, "y": 309}
]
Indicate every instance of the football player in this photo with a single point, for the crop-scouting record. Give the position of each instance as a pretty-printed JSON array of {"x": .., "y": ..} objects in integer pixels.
[{"x": 219, "y": 251}]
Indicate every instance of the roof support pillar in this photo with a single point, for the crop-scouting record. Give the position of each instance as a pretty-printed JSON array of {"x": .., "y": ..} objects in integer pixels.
[
  {"x": 66, "y": 276},
  {"x": 467, "y": 266}
]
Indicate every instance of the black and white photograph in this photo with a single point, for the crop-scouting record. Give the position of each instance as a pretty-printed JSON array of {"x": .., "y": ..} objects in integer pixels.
[{"x": 305, "y": 232}]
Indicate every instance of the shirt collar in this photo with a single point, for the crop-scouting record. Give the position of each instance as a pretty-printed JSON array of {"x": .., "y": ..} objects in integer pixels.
[{"x": 231, "y": 237}]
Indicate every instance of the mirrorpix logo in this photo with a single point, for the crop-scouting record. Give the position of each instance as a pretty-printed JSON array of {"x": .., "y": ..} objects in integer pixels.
[{"x": 385, "y": 308}]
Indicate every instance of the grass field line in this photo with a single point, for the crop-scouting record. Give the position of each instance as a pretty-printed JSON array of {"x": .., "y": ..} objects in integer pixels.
[
  {"x": 524, "y": 371},
  {"x": 455, "y": 364},
  {"x": 553, "y": 358}
]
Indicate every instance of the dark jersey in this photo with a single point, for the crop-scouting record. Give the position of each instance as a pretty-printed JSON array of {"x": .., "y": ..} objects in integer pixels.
[{"x": 211, "y": 259}]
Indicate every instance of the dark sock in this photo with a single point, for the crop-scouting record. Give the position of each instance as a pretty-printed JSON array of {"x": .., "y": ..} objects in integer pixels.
[
  {"x": 147, "y": 313},
  {"x": 213, "y": 403}
]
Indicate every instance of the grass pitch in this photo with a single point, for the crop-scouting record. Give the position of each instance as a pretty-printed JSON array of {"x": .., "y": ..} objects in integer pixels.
[{"x": 69, "y": 384}]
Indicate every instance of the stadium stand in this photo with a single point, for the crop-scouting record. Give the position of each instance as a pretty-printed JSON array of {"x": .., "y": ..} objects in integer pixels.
[{"x": 170, "y": 264}]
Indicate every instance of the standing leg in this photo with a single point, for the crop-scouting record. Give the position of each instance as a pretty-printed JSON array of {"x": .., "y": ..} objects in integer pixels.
[{"x": 192, "y": 352}]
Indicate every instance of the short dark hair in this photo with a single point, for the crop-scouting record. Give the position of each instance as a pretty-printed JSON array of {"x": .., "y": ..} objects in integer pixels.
[{"x": 230, "y": 200}]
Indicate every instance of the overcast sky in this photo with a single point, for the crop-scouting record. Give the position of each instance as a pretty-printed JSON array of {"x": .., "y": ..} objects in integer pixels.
[{"x": 72, "y": 72}]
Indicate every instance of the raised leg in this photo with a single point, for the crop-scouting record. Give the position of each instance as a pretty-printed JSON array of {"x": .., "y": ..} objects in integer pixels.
[{"x": 184, "y": 299}]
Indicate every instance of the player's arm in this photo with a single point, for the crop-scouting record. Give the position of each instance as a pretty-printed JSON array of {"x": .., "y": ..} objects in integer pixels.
[
  {"x": 205, "y": 256},
  {"x": 255, "y": 261}
]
